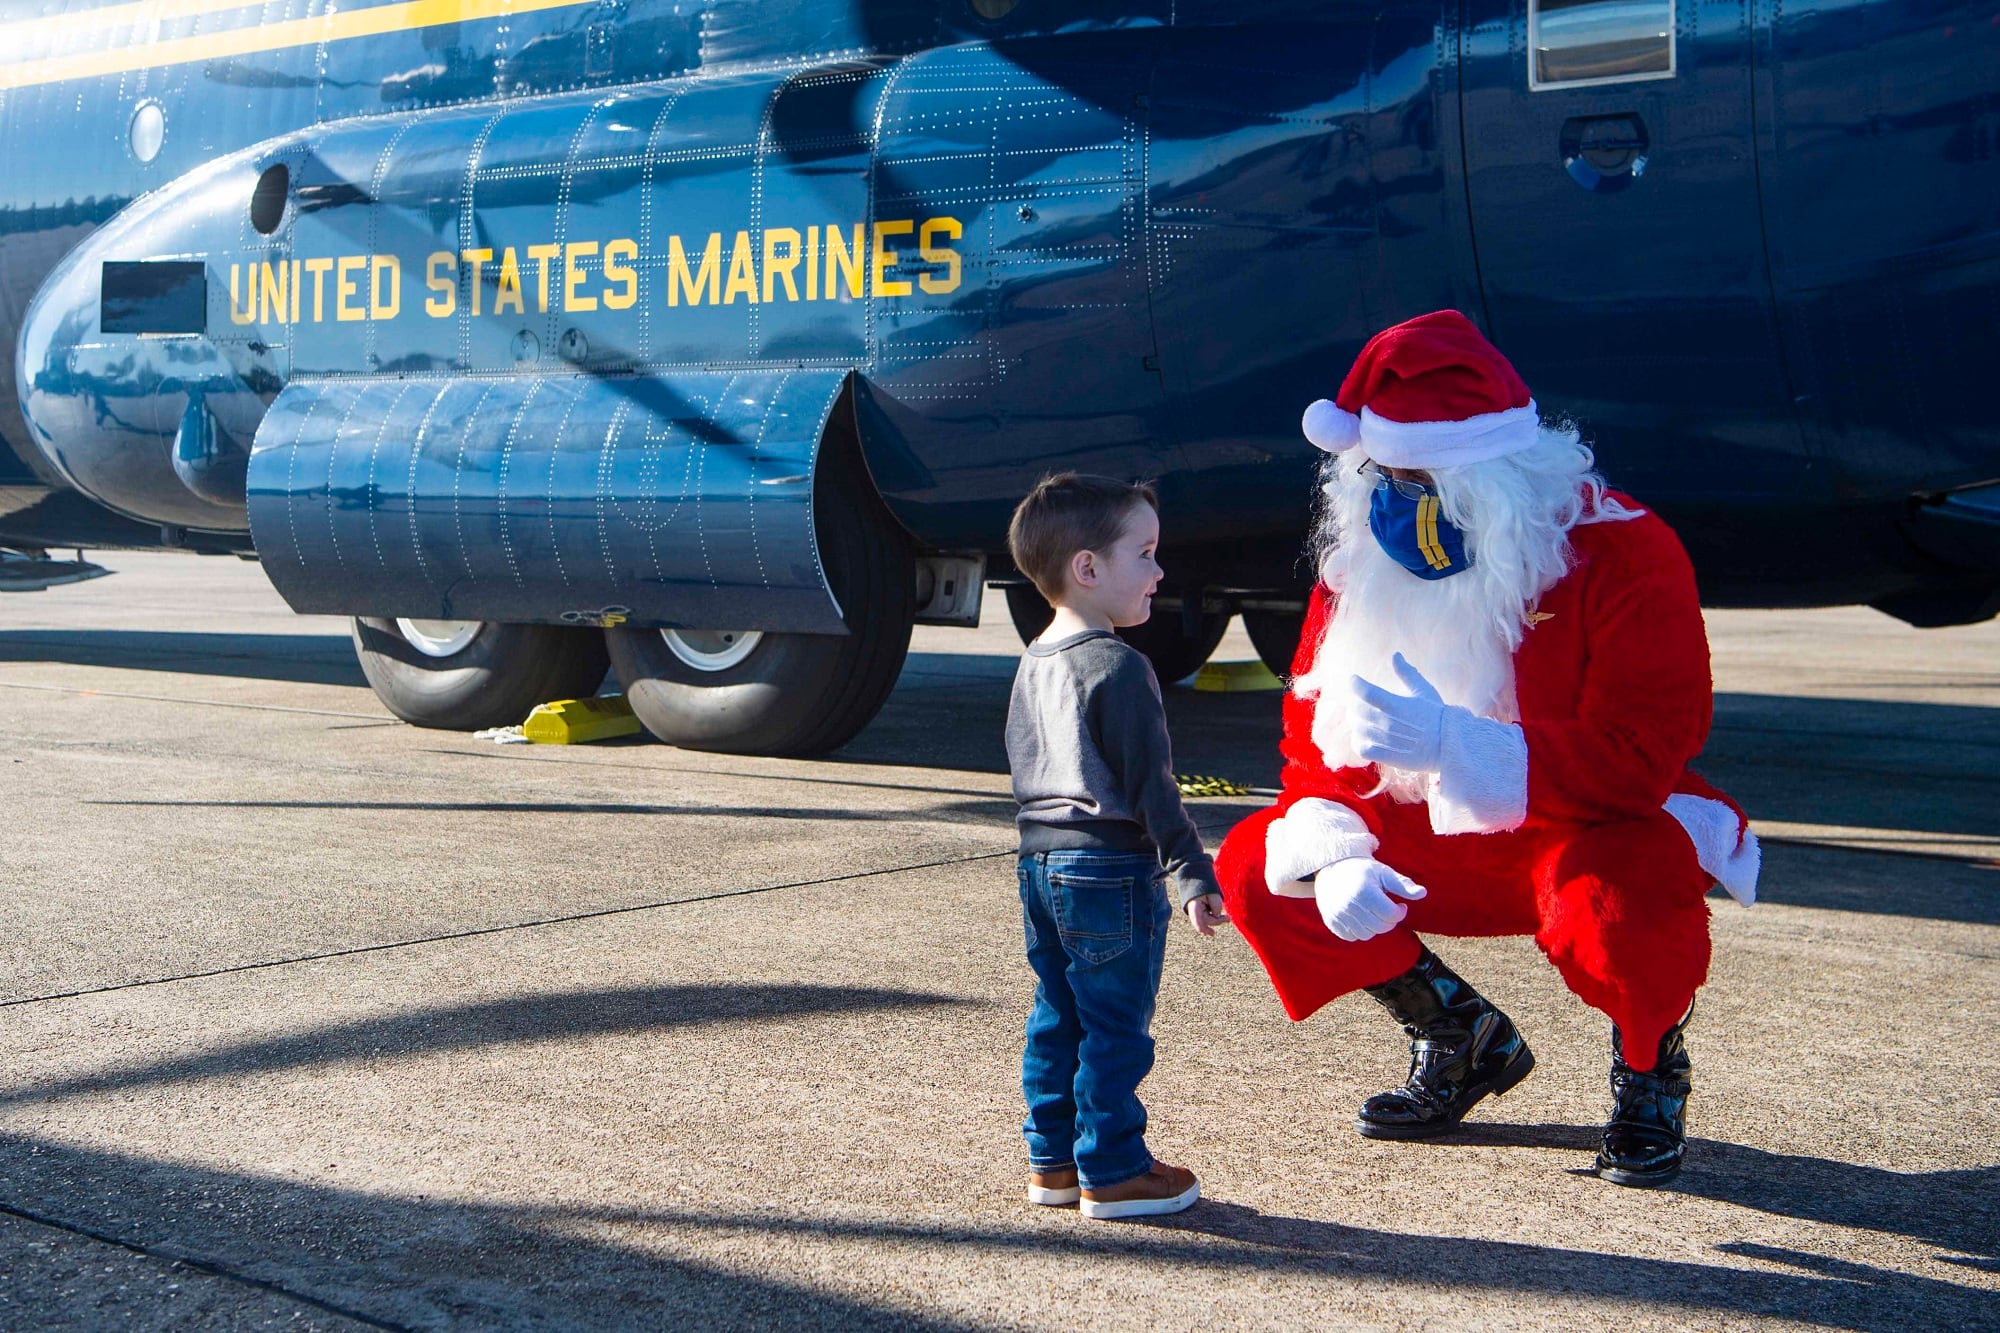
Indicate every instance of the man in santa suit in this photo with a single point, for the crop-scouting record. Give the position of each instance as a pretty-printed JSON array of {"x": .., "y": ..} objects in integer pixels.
[{"x": 1502, "y": 679}]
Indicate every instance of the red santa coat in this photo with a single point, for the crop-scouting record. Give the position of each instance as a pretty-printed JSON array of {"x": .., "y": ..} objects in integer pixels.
[{"x": 1614, "y": 700}]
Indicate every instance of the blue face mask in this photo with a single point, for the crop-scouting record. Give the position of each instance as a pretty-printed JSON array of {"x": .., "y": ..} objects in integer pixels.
[{"x": 1415, "y": 532}]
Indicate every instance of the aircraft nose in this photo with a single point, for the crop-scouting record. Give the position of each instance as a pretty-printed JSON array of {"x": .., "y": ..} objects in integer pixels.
[{"x": 123, "y": 390}]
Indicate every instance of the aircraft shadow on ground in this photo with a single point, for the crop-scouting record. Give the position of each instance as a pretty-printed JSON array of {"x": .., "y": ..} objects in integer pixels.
[
  {"x": 306, "y": 659},
  {"x": 401, "y": 1261},
  {"x": 1865, "y": 763},
  {"x": 1844, "y": 880},
  {"x": 490, "y": 1023},
  {"x": 396, "y": 1263},
  {"x": 417, "y": 1262}
]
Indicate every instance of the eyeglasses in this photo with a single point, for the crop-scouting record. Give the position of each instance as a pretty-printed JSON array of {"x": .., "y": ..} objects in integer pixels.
[{"x": 1405, "y": 487}]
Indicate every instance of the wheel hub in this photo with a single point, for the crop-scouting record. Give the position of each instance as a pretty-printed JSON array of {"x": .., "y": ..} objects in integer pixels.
[
  {"x": 712, "y": 649},
  {"x": 439, "y": 638}
]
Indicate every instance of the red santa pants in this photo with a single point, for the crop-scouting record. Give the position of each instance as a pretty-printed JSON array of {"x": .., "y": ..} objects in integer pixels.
[{"x": 1619, "y": 908}]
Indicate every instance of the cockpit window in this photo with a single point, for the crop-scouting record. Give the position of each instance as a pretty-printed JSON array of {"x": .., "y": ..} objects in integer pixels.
[{"x": 1573, "y": 43}]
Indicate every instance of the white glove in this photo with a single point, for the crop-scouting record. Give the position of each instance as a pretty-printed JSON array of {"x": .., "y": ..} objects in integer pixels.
[
  {"x": 1405, "y": 731},
  {"x": 1310, "y": 836},
  {"x": 1354, "y": 901}
]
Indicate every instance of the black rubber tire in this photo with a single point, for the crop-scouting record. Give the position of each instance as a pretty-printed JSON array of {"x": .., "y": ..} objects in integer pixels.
[
  {"x": 1175, "y": 654},
  {"x": 1275, "y": 636},
  {"x": 1163, "y": 638},
  {"x": 795, "y": 694},
  {"x": 1027, "y": 609},
  {"x": 494, "y": 681}
]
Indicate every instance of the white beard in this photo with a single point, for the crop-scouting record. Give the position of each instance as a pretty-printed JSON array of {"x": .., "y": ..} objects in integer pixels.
[
  {"x": 1440, "y": 626},
  {"x": 1460, "y": 631}
]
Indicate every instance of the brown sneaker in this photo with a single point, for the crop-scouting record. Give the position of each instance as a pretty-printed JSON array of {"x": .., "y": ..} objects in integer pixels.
[
  {"x": 1164, "y": 1189},
  {"x": 1053, "y": 1189}
]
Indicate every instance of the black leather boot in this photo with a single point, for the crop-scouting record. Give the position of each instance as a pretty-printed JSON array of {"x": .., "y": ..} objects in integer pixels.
[
  {"x": 1647, "y": 1135},
  {"x": 1461, "y": 1049}
]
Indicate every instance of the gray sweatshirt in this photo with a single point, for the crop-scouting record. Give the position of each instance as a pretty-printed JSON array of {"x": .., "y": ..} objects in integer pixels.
[{"x": 1087, "y": 743}]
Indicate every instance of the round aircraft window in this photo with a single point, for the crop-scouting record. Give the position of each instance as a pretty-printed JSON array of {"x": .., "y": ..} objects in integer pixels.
[
  {"x": 267, "y": 201},
  {"x": 148, "y": 130},
  {"x": 992, "y": 9}
]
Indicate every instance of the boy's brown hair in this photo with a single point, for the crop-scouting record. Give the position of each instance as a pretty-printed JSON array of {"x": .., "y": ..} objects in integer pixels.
[{"x": 1066, "y": 513}]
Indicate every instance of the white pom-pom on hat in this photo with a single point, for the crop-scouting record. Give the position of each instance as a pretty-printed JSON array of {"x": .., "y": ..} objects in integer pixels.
[{"x": 1330, "y": 427}]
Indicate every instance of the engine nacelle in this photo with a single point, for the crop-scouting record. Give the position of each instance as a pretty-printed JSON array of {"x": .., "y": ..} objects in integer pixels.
[{"x": 683, "y": 501}]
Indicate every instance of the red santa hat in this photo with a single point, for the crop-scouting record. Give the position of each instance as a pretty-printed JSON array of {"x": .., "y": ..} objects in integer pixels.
[{"x": 1430, "y": 392}]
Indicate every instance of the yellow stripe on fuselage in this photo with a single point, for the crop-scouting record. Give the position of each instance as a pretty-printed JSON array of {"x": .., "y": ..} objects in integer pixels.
[
  {"x": 104, "y": 17},
  {"x": 407, "y": 16},
  {"x": 1427, "y": 533}
]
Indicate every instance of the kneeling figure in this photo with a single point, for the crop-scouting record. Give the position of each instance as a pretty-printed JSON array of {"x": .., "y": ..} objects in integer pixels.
[{"x": 1501, "y": 682}]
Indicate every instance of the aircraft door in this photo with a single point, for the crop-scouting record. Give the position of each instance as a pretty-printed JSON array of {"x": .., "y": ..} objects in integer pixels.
[{"x": 1612, "y": 181}]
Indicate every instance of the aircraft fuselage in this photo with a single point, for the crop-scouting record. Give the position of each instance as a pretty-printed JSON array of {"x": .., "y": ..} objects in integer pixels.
[{"x": 522, "y": 311}]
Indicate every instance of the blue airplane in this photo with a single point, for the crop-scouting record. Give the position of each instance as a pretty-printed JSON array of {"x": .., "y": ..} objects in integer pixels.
[{"x": 720, "y": 336}]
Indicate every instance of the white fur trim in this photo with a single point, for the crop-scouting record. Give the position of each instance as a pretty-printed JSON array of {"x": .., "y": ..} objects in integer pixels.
[
  {"x": 1482, "y": 780},
  {"x": 1428, "y": 444},
  {"x": 1308, "y": 838},
  {"x": 1726, "y": 849},
  {"x": 1610, "y": 511},
  {"x": 1330, "y": 427}
]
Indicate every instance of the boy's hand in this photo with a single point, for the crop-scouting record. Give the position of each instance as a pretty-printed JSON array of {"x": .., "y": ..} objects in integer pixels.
[{"x": 1207, "y": 912}]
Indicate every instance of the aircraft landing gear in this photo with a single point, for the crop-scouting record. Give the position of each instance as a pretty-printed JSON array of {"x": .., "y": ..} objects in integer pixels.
[
  {"x": 462, "y": 675},
  {"x": 746, "y": 692},
  {"x": 1275, "y": 636},
  {"x": 1164, "y": 639}
]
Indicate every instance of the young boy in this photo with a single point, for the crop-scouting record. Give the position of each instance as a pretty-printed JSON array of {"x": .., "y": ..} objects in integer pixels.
[{"x": 1101, "y": 827}]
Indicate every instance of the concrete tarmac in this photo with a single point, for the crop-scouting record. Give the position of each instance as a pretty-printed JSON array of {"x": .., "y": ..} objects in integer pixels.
[{"x": 310, "y": 1019}]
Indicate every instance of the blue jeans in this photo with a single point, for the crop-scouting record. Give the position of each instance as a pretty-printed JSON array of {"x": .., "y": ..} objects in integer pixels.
[{"x": 1097, "y": 933}]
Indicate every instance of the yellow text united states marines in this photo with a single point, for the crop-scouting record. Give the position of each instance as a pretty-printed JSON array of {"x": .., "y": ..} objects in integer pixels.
[{"x": 819, "y": 263}]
